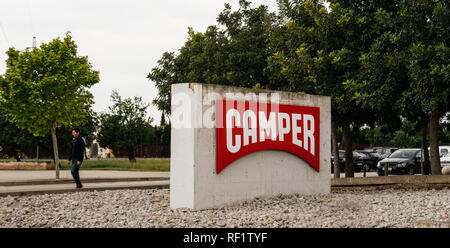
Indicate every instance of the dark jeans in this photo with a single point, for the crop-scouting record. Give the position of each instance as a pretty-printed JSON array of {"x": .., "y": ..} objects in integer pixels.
[{"x": 75, "y": 173}]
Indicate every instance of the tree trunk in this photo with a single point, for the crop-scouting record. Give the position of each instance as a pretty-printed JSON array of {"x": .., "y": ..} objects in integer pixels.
[
  {"x": 435, "y": 162},
  {"x": 55, "y": 149},
  {"x": 425, "y": 164},
  {"x": 426, "y": 158},
  {"x": 131, "y": 155},
  {"x": 348, "y": 151},
  {"x": 337, "y": 169}
]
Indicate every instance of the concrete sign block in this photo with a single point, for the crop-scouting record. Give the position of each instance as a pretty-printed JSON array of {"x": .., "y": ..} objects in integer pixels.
[{"x": 268, "y": 143}]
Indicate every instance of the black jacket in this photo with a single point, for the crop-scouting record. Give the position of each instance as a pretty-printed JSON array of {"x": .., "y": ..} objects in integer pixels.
[{"x": 77, "y": 151}]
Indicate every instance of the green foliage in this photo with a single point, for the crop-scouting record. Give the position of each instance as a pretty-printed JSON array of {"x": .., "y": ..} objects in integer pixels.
[
  {"x": 233, "y": 55},
  {"x": 407, "y": 136},
  {"x": 125, "y": 125},
  {"x": 64, "y": 133},
  {"x": 403, "y": 140},
  {"x": 165, "y": 140},
  {"x": 408, "y": 63},
  {"x": 378, "y": 60},
  {"x": 13, "y": 138},
  {"x": 317, "y": 52},
  {"x": 47, "y": 85},
  {"x": 379, "y": 135},
  {"x": 429, "y": 70},
  {"x": 407, "y": 67}
]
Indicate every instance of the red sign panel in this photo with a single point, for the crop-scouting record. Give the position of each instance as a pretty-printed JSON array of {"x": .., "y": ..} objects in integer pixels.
[{"x": 247, "y": 127}]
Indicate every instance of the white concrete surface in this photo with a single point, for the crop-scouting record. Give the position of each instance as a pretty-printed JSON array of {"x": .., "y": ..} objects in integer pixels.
[{"x": 193, "y": 180}]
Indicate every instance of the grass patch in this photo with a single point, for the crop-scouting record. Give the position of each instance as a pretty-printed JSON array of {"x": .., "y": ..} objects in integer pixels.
[{"x": 142, "y": 164}]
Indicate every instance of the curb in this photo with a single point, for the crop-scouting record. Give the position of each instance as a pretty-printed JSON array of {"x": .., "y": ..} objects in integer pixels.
[
  {"x": 390, "y": 180},
  {"x": 164, "y": 185}
]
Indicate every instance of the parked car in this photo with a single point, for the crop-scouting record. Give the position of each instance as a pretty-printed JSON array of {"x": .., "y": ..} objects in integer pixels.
[
  {"x": 445, "y": 160},
  {"x": 402, "y": 161},
  {"x": 444, "y": 151},
  {"x": 371, "y": 160},
  {"x": 358, "y": 161},
  {"x": 341, "y": 161}
]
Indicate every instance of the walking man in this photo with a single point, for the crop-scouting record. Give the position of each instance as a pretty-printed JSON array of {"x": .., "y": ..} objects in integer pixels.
[{"x": 76, "y": 156}]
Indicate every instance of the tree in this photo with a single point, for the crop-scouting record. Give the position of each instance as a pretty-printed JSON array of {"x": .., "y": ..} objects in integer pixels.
[
  {"x": 64, "y": 133},
  {"x": 233, "y": 55},
  {"x": 46, "y": 87},
  {"x": 378, "y": 135},
  {"x": 165, "y": 140},
  {"x": 429, "y": 67},
  {"x": 380, "y": 61},
  {"x": 317, "y": 51},
  {"x": 13, "y": 138},
  {"x": 125, "y": 125},
  {"x": 407, "y": 136},
  {"x": 407, "y": 65}
]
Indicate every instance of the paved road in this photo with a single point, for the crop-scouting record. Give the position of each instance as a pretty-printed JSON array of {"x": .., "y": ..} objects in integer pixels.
[
  {"x": 17, "y": 175},
  {"x": 70, "y": 187},
  {"x": 18, "y": 182}
]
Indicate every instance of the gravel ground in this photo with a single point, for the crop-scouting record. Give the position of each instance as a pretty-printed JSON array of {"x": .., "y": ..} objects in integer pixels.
[{"x": 150, "y": 208}]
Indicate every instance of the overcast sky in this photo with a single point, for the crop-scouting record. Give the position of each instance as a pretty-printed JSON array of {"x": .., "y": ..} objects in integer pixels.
[{"x": 123, "y": 39}]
